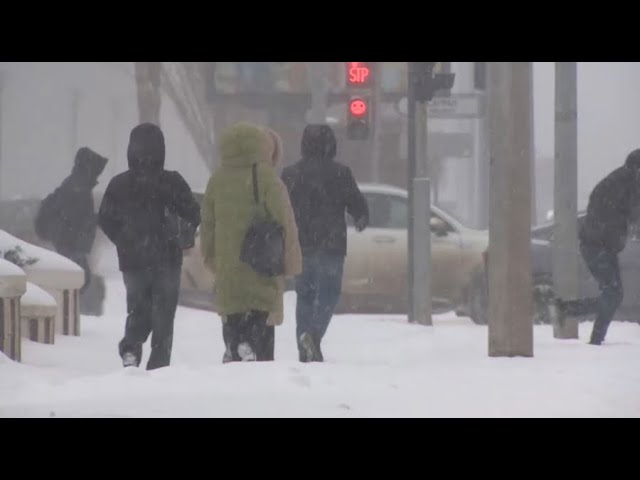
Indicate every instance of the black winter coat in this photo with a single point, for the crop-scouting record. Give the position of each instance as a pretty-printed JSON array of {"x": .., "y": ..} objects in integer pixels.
[
  {"x": 321, "y": 191},
  {"x": 67, "y": 217},
  {"x": 140, "y": 205},
  {"x": 611, "y": 207}
]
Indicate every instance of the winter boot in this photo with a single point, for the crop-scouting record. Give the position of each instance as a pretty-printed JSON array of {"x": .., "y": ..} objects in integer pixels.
[
  {"x": 309, "y": 347},
  {"x": 246, "y": 352},
  {"x": 317, "y": 340},
  {"x": 129, "y": 360}
]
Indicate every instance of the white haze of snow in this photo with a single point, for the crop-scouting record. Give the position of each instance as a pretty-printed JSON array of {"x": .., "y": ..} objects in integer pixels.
[{"x": 377, "y": 366}]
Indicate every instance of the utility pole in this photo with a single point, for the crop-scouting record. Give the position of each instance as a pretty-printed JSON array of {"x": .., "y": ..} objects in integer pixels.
[
  {"x": 1, "y": 97},
  {"x": 75, "y": 107},
  {"x": 376, "y": 144},
  {"x": 319, "y": 85},
  {"x": 115, "y": 122},
  {"x": 510, "y": 282},
  {"x": 482, "y": 153},
  {"x": 148, "y": 79},
  {"x": 565, "y": 239}
]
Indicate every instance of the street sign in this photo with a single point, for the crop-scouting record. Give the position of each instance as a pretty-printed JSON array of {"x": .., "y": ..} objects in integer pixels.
[{"x": 458, "y": 106}]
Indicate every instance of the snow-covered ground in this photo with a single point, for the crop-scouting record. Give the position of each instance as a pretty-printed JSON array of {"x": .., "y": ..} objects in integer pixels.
[{"x": 377, "y": 366}]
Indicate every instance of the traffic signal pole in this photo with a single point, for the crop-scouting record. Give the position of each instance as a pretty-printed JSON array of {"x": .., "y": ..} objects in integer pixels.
[{"x": 421, "y": 88}]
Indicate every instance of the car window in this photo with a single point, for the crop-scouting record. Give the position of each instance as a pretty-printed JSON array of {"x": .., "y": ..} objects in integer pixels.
[
  {"x": 387, "y": 211},
  {"x": 390, "y": 212},
  {"x": 438, "y": 217}
]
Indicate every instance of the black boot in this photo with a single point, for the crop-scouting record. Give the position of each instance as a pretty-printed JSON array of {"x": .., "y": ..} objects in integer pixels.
[
  {"x": 308, "y": 348},
  {"x": 317, "y": 340}
]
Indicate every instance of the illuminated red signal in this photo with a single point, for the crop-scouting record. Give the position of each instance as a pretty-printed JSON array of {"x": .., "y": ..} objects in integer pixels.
[
  {"x": 358, "y": 74},
  {"x": 358, "y": 107},
  {"x": 358, "y": 118}
]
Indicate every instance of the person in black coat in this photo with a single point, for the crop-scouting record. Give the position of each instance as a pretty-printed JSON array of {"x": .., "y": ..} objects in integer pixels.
[
  {"x": 141, "y": 213},
  {"x": 321, "y": 191},
  {"x": 603, "y": 235},
  {"x": 67, "y": 216}
]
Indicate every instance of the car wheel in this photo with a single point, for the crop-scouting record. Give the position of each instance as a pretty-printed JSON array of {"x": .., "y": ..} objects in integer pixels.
[
  {"x": 479, "y": 302},
  {"x": 542, "y": 297}
]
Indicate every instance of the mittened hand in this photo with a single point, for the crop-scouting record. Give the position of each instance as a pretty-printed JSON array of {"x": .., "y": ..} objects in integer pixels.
[{"x": 361, "y": 224}]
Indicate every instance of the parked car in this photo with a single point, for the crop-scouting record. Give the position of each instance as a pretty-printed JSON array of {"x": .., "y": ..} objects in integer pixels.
[{"x": 375, "y": 272}]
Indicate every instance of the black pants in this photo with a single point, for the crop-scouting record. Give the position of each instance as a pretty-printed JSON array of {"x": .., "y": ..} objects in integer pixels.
[
  {"x": 250, "y": 329},
  {"x": 603, "y": 265},
  {"x": 152, "y": 299}
]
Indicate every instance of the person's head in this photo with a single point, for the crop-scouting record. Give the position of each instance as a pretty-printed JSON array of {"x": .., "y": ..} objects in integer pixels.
[
  {"x": 244, "y": 144},
  {"x": 318, "y": 142},
  {"x": 146, "y": 150},
  {"x": 275, "y": 147},
  {"x": 88, "y": 165}
]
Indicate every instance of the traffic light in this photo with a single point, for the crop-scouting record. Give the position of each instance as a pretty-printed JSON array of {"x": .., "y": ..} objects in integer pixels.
[
  {"x": 358, "y": 118},
  {"x": 425, "y": 83},
  {"x": 360, "y": 83},
  {"x": 358, "y": 75}
]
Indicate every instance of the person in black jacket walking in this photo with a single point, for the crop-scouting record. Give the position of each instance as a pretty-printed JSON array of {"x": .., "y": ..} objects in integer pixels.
[
  {"x": 603, "y": 235},
  {"x": 67, "y": 216},
  {"x": 321, "y": 191},
  {"x": 138, "y": 214}
]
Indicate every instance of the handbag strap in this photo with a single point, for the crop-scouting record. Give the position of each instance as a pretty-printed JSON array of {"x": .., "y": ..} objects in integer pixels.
[{"x": 254, "y": 173}]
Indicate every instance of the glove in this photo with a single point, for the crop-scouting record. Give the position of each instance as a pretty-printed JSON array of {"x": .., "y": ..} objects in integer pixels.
[{"x": 361, "y": 224}]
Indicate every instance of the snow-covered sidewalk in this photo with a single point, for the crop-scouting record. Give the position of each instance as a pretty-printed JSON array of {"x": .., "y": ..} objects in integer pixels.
[{"x": 377, "y": 366}]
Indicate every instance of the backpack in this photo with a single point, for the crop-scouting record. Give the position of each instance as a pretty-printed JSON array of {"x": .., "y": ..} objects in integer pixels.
[{"x": 47, "y": 217}]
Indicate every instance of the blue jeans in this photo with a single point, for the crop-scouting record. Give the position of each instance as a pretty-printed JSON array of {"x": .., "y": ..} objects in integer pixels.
[
  {"x": 318, "y": 289},
  {"x": 604, "y": 267}
]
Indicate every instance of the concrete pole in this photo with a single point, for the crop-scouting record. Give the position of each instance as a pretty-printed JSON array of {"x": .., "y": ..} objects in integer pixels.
[
  {"x": 75, "y": 112},
  {"x": 1, "y": 95},
  {"x": 510, "y": 282},
  {"x": 421, "y": 308},
  {"x": 115, "y": 123},
  {"x": 420, "y": 208},
  {"x": 411, "y": 174},
  {"x": 565, "y": 239},
  {"x": 481, "y": 157},
  {"x": 319, "y": 85},
  {"x": 376, "y": 144}
]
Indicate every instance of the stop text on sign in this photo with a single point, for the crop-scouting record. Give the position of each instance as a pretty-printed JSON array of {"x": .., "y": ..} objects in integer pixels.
[{"x": 359, "y": 73}]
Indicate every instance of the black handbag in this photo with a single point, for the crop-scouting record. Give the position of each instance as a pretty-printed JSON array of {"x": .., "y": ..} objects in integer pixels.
[{"x": 263, "y": 245}]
